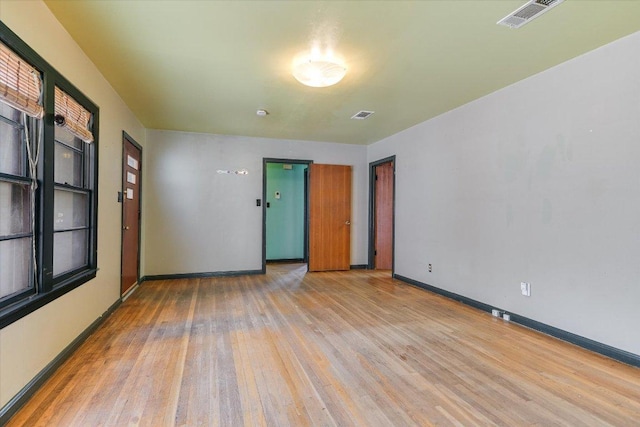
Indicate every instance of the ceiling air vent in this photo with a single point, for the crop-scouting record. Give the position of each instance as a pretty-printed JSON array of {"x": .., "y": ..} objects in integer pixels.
[
  {"x": 361, "y": 115},
  {"x": 528, "y": 12}
]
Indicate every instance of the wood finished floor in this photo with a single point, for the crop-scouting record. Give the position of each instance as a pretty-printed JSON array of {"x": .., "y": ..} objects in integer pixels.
[{"x": 326, "y": 349}]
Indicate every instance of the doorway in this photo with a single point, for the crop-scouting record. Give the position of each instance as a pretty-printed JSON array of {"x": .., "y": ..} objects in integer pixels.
[
  {"x": 131, "y": 213},
  {"x": 285, "y": 210},
  {"x": 382, "y": 214}
]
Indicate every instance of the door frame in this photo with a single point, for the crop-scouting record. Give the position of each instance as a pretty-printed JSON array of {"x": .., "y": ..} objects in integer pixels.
[
  {"x": 266, "y": 160},
  {"x": 372, "y": 213},
  {"x": 127, "y": 138}
]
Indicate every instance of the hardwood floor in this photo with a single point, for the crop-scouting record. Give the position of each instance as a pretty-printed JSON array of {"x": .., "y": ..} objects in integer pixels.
[{"x": 324, "y": 349}]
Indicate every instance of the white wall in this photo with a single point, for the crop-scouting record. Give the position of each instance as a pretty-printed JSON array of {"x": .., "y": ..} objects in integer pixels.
[
  {"x": 538, "y": 182},
  {"x": 29, "y": 344},
  {"x": 201, "y": 221}
]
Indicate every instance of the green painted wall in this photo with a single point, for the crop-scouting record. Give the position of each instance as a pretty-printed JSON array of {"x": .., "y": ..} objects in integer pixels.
[{"x": 285, "y": 216}]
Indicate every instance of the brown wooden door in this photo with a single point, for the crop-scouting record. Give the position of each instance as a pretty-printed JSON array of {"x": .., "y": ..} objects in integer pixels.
[
  {"x": 384, "y": 216},
  {"x": 329, "y": 217},
  {"x": 131, "y": 168}
]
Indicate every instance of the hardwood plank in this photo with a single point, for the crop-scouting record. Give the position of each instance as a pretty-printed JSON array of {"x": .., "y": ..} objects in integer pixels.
[{"x": 324, "y": 349}]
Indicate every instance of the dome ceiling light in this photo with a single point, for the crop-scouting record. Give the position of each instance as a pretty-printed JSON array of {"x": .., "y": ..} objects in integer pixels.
[{"x": 318, "y": 71}]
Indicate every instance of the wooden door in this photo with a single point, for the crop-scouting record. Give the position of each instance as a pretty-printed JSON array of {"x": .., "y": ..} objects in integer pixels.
[
  {"x": 329, "y": 217},
  {"x": 383, "y": 249},
  {"x": 131, "y": 168}
]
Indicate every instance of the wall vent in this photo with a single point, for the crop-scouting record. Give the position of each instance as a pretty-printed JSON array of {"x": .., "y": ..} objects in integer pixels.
[
  {"x": 528, "y": 12},
  {"x": 361, "y": 115}
]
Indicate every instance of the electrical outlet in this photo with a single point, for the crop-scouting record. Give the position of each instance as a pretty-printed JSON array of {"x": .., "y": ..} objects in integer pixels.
[
  {"x": 525, "y": 288},
  {"x": 430, "y": 268},
  {"x": 496, "y": 313}
]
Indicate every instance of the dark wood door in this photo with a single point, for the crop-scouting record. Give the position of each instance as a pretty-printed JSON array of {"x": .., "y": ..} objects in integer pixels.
[
  {"x": 384, "y": 216},
  {"x": 329, "y": 217},
  {"x": 131, "y": 174}
]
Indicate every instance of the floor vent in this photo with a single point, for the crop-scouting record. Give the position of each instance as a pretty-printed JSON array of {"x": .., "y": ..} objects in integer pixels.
[
  {"x": 528, "y": 12},
  {"x": 361, "y": 115}
]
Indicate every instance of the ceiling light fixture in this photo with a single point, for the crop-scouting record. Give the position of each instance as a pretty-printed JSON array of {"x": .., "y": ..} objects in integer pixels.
[{"x": 318, "y": 72}]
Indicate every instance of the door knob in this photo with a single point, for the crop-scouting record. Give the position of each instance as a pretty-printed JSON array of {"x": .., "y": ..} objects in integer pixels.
[
  {"x": 126, "y": 227},
  {"x": 347, "y": 222}
]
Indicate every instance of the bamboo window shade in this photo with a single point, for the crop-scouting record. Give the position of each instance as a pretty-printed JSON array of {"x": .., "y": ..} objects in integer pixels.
[
  {"x": 76, "y": 117},
  {"x": 20, "y": 83}
]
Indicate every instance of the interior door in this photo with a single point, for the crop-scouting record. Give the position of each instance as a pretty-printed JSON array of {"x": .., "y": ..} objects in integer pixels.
[
  {"x": 383, "y": 216},
  {"x": 131, "y": 168},
  {"x": 329, "y": 217}
]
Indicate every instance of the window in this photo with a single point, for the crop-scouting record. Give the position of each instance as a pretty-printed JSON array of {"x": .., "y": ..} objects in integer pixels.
[
  {"x": 73, "y": 185},
  {"x": 71, "y": 204},
  {"x": 16, "y": 234},
  {"x": 48, "y": 182}
]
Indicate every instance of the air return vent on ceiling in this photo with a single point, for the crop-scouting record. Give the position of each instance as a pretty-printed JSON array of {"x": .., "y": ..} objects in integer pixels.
[
  {"x": 528, "y": 12},
  {"x": 361, "y": 115}
]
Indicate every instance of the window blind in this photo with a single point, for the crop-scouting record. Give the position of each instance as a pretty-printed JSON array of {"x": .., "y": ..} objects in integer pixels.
[
  {"x": 76, "y": 117},
  {"x": 20, "y": 83}
]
